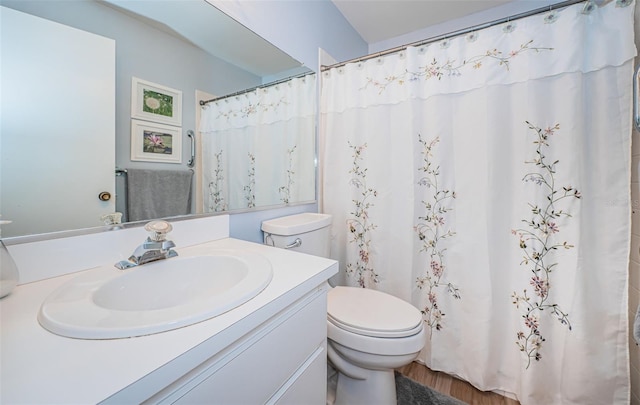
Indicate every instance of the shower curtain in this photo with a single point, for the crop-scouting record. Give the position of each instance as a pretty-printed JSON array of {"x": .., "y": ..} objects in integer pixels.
[
  {"x": 486, "y": 179},
  {"x": 258, "y": 146}
]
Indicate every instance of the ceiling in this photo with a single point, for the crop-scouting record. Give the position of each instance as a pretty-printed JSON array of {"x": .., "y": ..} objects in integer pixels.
[{"x": 379, "y": 20}]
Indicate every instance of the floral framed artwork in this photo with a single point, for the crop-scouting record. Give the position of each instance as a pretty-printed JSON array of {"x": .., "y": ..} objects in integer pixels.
[
  {"x": 153, "y": 102},
  {"x": 154, "y": 142}
]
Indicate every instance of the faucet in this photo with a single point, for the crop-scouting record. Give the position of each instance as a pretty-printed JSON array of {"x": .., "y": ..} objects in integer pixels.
[{"x": 155, "y": 247}]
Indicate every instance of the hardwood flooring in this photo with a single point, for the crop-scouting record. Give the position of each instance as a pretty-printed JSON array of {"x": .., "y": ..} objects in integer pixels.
[{"x": 453, "y": 387}]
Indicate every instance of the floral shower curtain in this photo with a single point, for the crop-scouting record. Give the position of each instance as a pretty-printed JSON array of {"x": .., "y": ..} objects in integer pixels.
[
  {"x": 258, "y": 145},
  {"x": 486, "y": 179}
]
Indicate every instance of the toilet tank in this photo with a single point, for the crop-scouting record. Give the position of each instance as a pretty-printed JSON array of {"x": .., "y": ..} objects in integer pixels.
[{"x": 306, "y": 233}]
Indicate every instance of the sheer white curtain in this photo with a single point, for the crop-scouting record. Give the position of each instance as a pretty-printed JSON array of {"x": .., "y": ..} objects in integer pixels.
[
  {"x": 258, "y": 147},
  {"x": 486, "y": 179}
]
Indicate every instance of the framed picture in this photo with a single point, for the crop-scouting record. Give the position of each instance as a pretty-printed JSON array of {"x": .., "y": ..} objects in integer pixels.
[
  {"x": 153, "y": 102},
  {"x": 153, "y": 142}
]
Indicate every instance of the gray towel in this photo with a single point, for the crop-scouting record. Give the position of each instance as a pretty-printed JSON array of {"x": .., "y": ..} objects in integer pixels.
[{"x": 158, "y": 193}]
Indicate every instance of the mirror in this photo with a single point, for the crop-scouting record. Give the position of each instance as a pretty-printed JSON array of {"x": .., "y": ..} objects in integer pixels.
[
  {"x": 258, "y": 148},
  {"x": 188, "y": 45}
]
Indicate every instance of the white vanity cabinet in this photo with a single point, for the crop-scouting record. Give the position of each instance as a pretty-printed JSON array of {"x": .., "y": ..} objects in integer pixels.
[
  {"x": 269, "y": 350},
  {"x": 283, "y": 361}
]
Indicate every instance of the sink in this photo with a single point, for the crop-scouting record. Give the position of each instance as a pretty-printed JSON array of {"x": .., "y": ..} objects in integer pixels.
[{"x": 107, "y": 303}]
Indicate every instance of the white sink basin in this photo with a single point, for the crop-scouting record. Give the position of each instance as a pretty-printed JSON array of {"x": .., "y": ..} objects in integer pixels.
[{"x": 108, "y": 303}]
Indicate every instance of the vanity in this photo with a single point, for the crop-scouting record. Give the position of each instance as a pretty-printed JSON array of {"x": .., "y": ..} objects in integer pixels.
[{"x": 270, "y": 349}]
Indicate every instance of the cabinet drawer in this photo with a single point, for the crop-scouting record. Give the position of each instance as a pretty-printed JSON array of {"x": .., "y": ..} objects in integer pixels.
[
  {"x": 310, "y": 387},
  {"x": 254, "y": 371}
]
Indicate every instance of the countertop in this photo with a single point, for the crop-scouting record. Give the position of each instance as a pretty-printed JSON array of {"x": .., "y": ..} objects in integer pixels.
[{"x": 38, "y": 367}]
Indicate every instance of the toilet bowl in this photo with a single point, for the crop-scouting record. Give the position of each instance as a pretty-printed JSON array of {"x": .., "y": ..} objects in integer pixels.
[{"x": 369, "y": 332}]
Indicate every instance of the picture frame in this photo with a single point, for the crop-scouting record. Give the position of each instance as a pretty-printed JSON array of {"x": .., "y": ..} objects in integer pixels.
[
  {"x": 154, "y": 102},
  {"x": 155, "y": 142}
]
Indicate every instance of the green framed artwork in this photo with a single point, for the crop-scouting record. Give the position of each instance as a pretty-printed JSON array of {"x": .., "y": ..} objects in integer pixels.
[{"x": 154, "y": 102}]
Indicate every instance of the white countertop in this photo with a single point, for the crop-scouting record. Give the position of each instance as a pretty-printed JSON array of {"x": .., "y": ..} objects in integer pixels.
[{"x": 39, "y": 367}]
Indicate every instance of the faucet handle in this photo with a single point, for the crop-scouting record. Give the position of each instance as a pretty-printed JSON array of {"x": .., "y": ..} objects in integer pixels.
[{"x": 158, "y": 230}]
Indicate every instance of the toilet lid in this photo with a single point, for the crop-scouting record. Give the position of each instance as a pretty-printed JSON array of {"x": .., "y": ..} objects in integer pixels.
[{"x": 372, "y": 313}]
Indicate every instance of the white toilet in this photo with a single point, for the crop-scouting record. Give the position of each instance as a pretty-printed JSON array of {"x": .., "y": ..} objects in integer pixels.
[{"x": 369, "y": 332}]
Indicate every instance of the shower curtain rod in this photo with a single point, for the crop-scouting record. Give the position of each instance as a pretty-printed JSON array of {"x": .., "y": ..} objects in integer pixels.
[
  {"x": 237, "y": 93},
  {"x": 458, "y": 32}
]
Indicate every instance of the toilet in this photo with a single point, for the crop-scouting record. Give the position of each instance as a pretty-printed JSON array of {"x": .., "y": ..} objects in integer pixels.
[{"x": 370, "y": 333}]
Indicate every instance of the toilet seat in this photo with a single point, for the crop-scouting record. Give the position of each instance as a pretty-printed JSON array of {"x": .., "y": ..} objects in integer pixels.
[
  {"x": 375, "y": 333},
  {"x": 372, "y": 313}
]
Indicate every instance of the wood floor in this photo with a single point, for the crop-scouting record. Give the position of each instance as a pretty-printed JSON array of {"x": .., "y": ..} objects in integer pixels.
[{"x": 453, "y": 387}]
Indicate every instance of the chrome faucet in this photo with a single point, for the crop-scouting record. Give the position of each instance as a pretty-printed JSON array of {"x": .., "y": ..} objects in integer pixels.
[{"x": 156, "y": 247}]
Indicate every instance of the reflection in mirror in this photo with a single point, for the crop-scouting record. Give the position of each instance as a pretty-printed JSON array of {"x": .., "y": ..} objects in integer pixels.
[
  {"x": 56, "y": 138},
  {"x": 258, "y": 146},
  {"x": 173, "y": 47}
]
